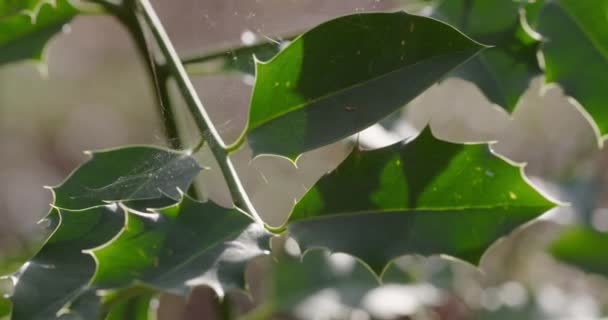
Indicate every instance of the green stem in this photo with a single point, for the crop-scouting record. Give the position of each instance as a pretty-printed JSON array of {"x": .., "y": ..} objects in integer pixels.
[
  {"x": 127, "y": 15},
  {"x": 168, "y": 113},
  {"x": 201, "y": 118},
  {"x": 265, "y": 46},
  {"x": 159, "y": 77}
]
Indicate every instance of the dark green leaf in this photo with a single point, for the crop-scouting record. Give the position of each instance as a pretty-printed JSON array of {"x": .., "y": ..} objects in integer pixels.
[
  {"x": 575, "y": 32},
  {"x": 583, "y": 247},
  {"x": 131, "y": 173},
  {"x": 24, "y": 35},
  {"x": 503, "y": 72},
  {"x": 181, "y": 246},
  {"x": 424, "y": 197},
  {"x": 86, "y": 306},
  {"x": 347, "y": 74},
  {"x": 61, "y": 271}
]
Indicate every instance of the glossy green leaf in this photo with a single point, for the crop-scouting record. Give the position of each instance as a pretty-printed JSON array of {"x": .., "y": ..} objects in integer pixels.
[
  {"x": 583, "y": 247},
  {"x": 61, "y": 271},
  {"x": 345, "y": 75},
  {"x": 24, "y": 35},
  {"x": 130, "y": 173},
  {"x": 574, "y": 32},
  {"x": 503, "y": 72},
  {"x": 181, "y": 246},
  {"x": 424, "y": 197}
]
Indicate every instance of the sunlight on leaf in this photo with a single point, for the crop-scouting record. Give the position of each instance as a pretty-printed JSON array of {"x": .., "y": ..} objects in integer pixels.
[
  {"x": 345, "y": 75},
  {"x": 182, "y": 246},
  {"x": 423, "y": 197},
  {"x": 575, "y": 52}
]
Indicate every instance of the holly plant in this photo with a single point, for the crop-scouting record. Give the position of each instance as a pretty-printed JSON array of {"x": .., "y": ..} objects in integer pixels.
[{"x": 128, "y": 224}]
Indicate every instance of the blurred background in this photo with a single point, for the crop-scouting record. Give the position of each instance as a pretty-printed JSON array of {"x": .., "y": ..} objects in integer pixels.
[{"x": 94, "y": 93}]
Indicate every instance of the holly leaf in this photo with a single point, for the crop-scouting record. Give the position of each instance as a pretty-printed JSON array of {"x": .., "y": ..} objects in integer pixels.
[
  {"x": 583, "y": 247},
  {"x": 345, "y": 75},
  {"x": 573, "y": 32},
  {"x": 86, "y": 306},
  {"x": 127, "y": 174},
  {"x": 182, "y": 246},
  {"x": 24, "y": 34},
  {"x": 60, "y": 271},
  {"x": 424, "y": 197},
  {"x": 504, "y": 71}
]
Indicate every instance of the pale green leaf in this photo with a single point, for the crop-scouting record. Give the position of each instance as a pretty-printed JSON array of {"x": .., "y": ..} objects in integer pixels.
[{"x": 126, "y": 174}]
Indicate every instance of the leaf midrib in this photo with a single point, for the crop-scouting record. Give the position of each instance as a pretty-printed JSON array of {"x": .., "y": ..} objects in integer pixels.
[
  {"x": 415, "y": 210},
  {"x": 360, "y": 84}
]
